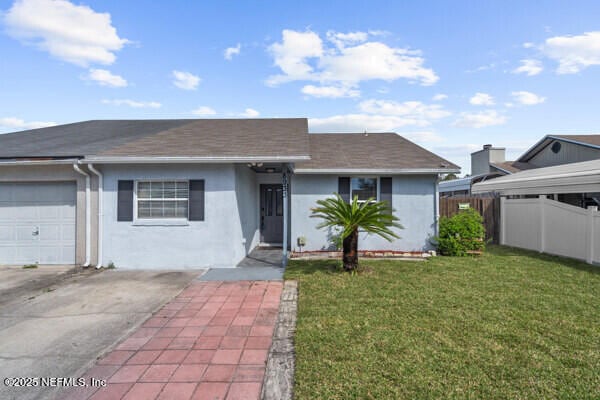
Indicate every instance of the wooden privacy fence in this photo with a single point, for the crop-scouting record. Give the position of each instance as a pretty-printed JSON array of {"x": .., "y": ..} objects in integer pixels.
[
  {"x": 488, "y": 207},
  {"x": 552, "y": 227}
]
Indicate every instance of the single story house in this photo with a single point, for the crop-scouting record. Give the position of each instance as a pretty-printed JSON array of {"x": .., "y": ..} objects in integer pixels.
[{"x": 199, "y": 193}]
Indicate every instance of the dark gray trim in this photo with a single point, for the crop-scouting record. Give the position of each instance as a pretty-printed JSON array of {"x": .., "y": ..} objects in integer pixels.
[
  {"x": 344, "y": 188},
  {"x": 196, "y": 200},
  {"x": 125, "y": 201},
  {"x": 385, "y": 191}
]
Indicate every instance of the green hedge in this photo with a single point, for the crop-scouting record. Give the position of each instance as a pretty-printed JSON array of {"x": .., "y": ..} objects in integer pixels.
[{"x": 461, "y": 233}]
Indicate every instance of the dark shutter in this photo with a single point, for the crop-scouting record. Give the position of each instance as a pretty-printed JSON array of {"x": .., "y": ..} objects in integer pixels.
[
  {"x": 344, "y": 188},
  {"x": 125, "y": 201},
  {"x": 385, "y": 192},
  {"x": 196, "y": 200}
]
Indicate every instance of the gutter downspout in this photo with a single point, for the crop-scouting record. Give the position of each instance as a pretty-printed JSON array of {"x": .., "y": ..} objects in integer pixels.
[
  {"x": 100, "y": 209},
  {"x": 436, "y": 205},
  {"x": 88, "y": 214}
]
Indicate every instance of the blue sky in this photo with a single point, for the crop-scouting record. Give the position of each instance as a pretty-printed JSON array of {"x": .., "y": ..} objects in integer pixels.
[{"x": 451, "y": 76}]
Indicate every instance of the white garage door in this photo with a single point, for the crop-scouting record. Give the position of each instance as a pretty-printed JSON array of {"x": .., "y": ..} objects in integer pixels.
[{"x": 37, "y": 223}]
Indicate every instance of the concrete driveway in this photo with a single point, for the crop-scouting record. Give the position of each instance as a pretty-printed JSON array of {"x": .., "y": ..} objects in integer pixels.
[{"x": 56, "y": 322}]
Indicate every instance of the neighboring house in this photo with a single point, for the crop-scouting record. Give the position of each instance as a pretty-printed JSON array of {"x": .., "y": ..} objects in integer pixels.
[
  {"x": 490, "y": 162},
  {"x": 199, "y": 193}
]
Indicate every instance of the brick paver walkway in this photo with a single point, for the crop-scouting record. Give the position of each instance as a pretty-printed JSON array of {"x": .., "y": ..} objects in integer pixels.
[{"x": 210, "y": 342}]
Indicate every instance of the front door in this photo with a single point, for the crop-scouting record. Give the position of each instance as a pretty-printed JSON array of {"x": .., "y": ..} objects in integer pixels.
[{"x": 271, "y": 213}]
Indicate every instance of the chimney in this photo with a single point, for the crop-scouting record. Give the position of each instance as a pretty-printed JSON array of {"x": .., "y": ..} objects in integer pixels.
[{"x": 481, "y": 160}]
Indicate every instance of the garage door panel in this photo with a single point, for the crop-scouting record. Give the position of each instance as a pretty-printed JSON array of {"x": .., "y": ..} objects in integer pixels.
[
  {"x": 68, "y": 233},
  {"x": 50, "y": 212},
  {"x": 47, "y": 208},
  {"x": 50, "y": 255},
  {"x": 25, "y": 234},
  {"x": 7, "y": 234},
  {"x": 26, "y": 212},
  {"x": 49, "y": 232},
  {"x": 7, "y": 252},
  {"x": 6, "y": 212},
  {"x": 27, "y": 254}
]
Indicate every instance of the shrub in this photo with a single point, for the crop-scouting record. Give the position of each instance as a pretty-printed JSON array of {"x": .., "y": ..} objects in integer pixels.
[{"x": 461, "y": 233}]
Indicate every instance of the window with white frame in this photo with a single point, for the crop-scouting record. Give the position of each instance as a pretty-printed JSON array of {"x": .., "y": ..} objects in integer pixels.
[
  {"x": 364, "y": 188},
  {"x": 162, "y": 199}
]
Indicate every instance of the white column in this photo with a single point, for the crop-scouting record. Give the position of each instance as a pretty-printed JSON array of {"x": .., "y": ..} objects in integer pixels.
[
  {"x": 502, "y": 220},
  {"x": 591, "y": 211},
  {"x": 542, "y": 214}
]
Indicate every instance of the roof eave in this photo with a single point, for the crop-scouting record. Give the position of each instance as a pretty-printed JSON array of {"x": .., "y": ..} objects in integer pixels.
[
  {"x": 376, "y": 171},
  {"x": 191, "y": 160},
  {"x": 13, "y": 162},
  {"x": 526, "y": 156}
]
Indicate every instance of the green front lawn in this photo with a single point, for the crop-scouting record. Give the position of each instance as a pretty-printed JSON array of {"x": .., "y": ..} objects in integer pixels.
[{"x": 510, "y": 324}]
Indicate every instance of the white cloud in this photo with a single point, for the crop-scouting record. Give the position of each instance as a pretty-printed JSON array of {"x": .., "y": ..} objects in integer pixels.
[
  {"x": 360, "y": 123},
  {"x": 423, "y": 137},
  {"x": 482, "y": 99},
  {"x": 106, "y": 78},
  {"x": 292, "y": 53},
  {"x": 528, "y": 45},
  {"x": 13, "y": 123},
  {"x": 440, "y": 97},
  {"x": 573, "y": 53},
  {"x": 185, "y": 80},
  {"x": 457, "y": 150},
  {"x": 529, "y": 67},
  {"x": 480, "y": 119},
  {"x": 204, "y": 110},
  {"x": 346, "y": 39},
  {"x": 351, "y": 59},
  {"x": 330, "y": 91},
  {"x": 486, "y": 67},
  {"x": 250, "y": 113},
  {"x": 69, "y": 32},
  {"x": 133, "y": 103},
  {"x": 383, "y": 116},
  {"x": 527, "y": 98},
  {"x": 232, "y": 51},
  {"x": 416, "y": 110}
]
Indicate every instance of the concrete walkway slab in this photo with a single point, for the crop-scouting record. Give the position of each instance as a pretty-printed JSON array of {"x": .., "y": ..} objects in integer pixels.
[
  {"x": 263, "y": 257},
  {"x": 210, "y": 342},
  {"x": 243, "y": 274}
]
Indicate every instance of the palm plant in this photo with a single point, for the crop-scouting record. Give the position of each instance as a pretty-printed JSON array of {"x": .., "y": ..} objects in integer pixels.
[{"x": 370, "y": 216}]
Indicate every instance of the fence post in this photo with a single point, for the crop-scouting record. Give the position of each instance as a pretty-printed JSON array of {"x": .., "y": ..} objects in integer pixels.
[
  {"x": 542, "y": 213},
  {"x": 502, "y": 220},
  {"x": 591, "y": 210}
]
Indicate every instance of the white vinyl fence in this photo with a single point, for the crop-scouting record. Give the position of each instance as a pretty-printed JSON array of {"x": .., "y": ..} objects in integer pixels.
[{"x": 552, "y": 227}]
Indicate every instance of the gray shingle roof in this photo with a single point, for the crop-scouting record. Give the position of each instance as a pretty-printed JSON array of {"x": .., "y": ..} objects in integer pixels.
[
  {"x": 375, "y": 151},
  {"x": 285, "y": 139},
  {"x": 512, "y": 166},
  {"x": 169, "y": 138}
]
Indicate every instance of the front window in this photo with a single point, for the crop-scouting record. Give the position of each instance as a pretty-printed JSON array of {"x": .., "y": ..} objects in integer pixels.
[
  {"x": 162, "y": 199},
  {"x": 364, "y": 188}
]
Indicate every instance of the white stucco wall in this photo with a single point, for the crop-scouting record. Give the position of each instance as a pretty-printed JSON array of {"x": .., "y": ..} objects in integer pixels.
[
  {"x": 413, "y": 198},
  {"x": 215, "y": 242}
]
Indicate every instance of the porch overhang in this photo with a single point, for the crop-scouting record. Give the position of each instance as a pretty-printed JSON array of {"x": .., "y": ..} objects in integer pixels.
[{"x": 582, "y": 177}]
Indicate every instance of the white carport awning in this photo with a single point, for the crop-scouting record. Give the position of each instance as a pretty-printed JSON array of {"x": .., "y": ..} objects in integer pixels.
[{"x": 582, "y": 177}]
